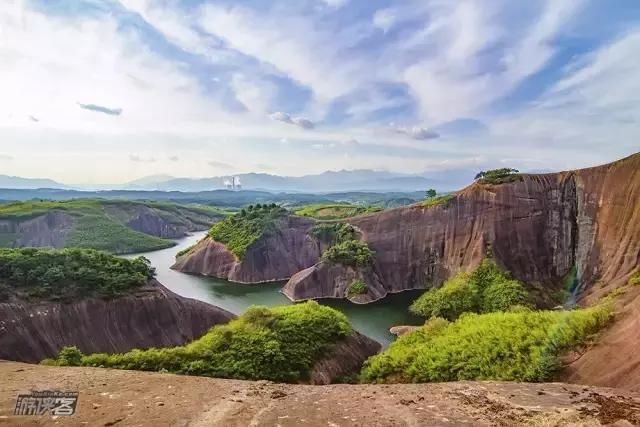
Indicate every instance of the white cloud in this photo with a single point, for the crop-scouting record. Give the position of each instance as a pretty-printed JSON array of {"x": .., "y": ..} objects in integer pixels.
[
  {"x": 298, "y": 121},
  {"x": 253, "y": 92},
  {"x": 415, "y": 132}
]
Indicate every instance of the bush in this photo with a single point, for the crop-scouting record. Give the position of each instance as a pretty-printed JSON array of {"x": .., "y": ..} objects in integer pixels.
[
  {"x": 334, "y": 211},
  {"x": 358, "y": 287},
  {"x": 498, "y": 176},
  {"x": 502, "y": 295},
  {"x": 521, "y": 345},
  {"x": 334, "y": 233},
  {"x": 455, "y": 297},
  {"x": 484, "y": 290},
  {"x": 65, "y": 274},
  {"x": 353, "y": 253},
  {"x": 70, "y": 356},
  {"x": 240, "y": 231},
  {"x": 442, "y": 200},
  {"x": 278, "y": 344}
]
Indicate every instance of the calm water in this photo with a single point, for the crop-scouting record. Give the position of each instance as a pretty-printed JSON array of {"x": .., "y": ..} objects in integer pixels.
[{"x": 373, "y": 320}]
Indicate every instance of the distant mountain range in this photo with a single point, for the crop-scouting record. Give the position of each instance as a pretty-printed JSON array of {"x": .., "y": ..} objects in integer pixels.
[{"x": 330, "y": 181}]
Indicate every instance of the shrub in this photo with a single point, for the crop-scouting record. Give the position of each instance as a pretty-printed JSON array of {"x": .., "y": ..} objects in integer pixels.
[
  {"x": 334, "y": 211},
  {"x": 278, "y": 344},
  {"x": 635, "y": 279},
  {"x": 64, "y": 274},
  {"x": 521, "y": 345},
  {"x": 239, "y": 232},
  {"x": 455, "y": 297},
  {"x": 484, "y": 290},
  {"x": 353, "y": 253},
  {"x": 358, "y": 287},
  {"x": 502, "y": 295},
  {"x": 70, "y": 356},
  {"x": 334, "y": 233},
  {"x": 498, "y": 176}
]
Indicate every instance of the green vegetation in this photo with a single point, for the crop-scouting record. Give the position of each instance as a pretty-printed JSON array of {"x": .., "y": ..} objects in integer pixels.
[
  {"x": 520, "y": 345},
  {"x": 442, "y": 200},
  {"x": 358, "y": 287},
  {"x": 498, "y": 176},
  {"x": 278, "y": 344},
  {"x": 326, "y": 211},
  {"x": 101, "y": 233},
  {"x": 354, "y": 253},
  {"x": 635, "y": 279},
  {"x": 333, "y": 233},
  {"x": 103, "y": 224},
  {"x": 241, "y": 230},
  {"x": 66, "y": 274},
  {"x": 431, "y": 193},
  {"x": 485, "y": 290}
]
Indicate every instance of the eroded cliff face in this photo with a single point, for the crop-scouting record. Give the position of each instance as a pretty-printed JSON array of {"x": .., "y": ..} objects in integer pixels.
[
  {"x": 276, "y": 256},
  {"x": 538, "y": 228},
  {"x": 49, "y": 229},
  {"x": 152, "y": 316},
  {"x": 345, "y": 359}
]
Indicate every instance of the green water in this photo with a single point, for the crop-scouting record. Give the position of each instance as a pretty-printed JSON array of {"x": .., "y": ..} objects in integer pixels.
[{"x": 373, "y": 320}]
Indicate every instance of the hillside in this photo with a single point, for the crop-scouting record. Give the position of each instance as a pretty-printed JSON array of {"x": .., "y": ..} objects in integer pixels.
[
  {"x": 115, "y": 397},
  {"x": 117, "y": 226}
]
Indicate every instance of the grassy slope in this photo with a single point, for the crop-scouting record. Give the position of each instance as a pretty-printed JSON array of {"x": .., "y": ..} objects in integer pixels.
[
  {"x": 101, "y": 224},
  {"x": 326, "y": 211}
]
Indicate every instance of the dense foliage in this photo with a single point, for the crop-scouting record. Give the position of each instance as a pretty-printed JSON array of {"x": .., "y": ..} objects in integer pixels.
[
  {"x": 358, "y": 287},
  {"x": 241, "y": 230},
  {"x": 279, "y": 344},
  {"x": 521, "y": 345},
  {"x": 325, "y": 211},
  {"x": 333, "y": 233},
  {"x": 486, "y": 289},
  {"x": 66, "y": 274},
  {"x": 354, "y": 253},
  {"x": 498, "y": 176}
]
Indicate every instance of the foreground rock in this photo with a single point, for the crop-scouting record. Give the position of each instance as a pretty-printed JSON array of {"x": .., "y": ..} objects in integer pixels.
[
  {"x": 111, "y": 397},
  {"x": 151, "y": 316}
]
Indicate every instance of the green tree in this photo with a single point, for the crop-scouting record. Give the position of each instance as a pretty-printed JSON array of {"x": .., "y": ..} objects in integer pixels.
[{"x": 431, "y": 193}]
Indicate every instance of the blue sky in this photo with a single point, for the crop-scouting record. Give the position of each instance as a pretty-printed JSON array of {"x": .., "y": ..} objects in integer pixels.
[{"x": 101, "y": 91}]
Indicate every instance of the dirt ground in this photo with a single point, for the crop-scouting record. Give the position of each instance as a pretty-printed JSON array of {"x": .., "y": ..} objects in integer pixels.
[{"x": 127, "y": 398}]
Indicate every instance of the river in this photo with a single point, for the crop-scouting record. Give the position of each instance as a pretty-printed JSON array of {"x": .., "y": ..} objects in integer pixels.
[{"x": 373, "y": 320}]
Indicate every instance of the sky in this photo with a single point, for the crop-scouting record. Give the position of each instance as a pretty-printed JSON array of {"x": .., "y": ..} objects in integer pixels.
[{"x": 107, "y": 91}]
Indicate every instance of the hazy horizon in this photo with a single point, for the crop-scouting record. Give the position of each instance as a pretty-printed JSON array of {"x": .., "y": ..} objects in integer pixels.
[{"x": 107, "y": 92}]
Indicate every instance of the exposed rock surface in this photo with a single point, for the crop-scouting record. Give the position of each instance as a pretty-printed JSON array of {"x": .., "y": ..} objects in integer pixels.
[
  {"x": 538, "y": 229},
  {"x": 49, "y": 229},
  {"x": 151, "y": 316},
  {"x": 277, "y": 256},
  {"x": 128, "y": 398},
  {"x": 345, "y": 359}
]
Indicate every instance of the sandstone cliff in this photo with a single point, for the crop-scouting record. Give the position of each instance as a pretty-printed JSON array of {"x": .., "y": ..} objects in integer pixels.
[
  {"x": 152, "y": 316},
  {"x": 276, "y": 256},
  {"x": 538, "y": 229}
]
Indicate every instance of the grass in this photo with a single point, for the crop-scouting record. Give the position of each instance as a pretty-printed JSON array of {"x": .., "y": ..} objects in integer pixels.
[
  {"x": 102, "y": 224},
  {"x": 521, "y": 345},
  {"x": 324, "y": 211},
  {"x": 240, "y": 231},
  {"x": 68, "y": 274},
  {"x": 442, "y": 200},
  {"x": 635, "y": 279},
  {"x": 278, "y": 344},
  {"x": 101, "y": 233}
]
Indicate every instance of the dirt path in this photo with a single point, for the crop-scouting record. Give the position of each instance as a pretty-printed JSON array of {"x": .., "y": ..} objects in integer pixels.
[{"x": 128, "y": 398}]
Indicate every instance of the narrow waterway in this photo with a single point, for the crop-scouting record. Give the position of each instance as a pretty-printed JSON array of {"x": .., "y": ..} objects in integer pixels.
[{"x": 373, "y": 320}]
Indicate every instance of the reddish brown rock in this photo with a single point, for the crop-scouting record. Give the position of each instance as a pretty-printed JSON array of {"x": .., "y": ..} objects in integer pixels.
[
  {"x": 277, "y": 256},
  {"x": 152, "y": 316}
]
